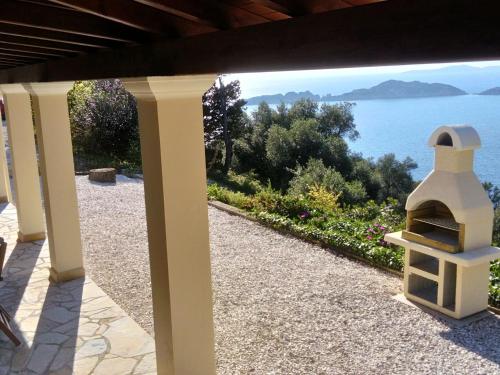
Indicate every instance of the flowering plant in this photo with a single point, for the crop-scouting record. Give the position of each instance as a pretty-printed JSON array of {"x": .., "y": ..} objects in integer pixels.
[
  {"x": 375, "y": 233},
  {"x": 304, "y": 215}
]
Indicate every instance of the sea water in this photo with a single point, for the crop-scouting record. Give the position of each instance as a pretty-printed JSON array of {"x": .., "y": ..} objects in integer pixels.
[{"x": 403, "y": 127}]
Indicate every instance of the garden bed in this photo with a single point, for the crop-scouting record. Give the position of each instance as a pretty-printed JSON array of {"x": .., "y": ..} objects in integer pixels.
[{"x": 356, "y": 232}]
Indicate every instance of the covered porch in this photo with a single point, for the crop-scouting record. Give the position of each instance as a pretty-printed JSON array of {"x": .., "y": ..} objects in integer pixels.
[{"x": 167, "y": 55}]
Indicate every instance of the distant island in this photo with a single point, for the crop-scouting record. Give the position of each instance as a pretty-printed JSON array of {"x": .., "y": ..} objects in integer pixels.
[
  {"x": 289, "y": 97},
  {"x": 492, "y": 91},
  {"x": 391, "y": 89}
]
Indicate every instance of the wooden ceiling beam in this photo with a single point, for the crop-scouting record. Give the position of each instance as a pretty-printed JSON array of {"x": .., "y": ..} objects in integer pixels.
[
  {"x": 40, "y": 44},
  {"x": 24, "y": 56},
  {"x": 38, "y": 16},
  {"x": 219, "y": 14},
  {"x": 385, "y": 33},
  {"x": 13, "y": 61},
  {"x": 202, "y": 12},
  {"x": 297, "y": 8},
  {"x": 138, "y": 16},
  {"x": 292, "y": 9},
  {"x": 70, "y": 40},
  {"x": 27, "y": 50}
]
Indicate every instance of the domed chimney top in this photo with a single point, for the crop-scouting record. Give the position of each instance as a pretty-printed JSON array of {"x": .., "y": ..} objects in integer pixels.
[
  {"x": 454, "y": 147},
  {"x": 453, "y": 181},
  {"x": 459, "y": 137}
]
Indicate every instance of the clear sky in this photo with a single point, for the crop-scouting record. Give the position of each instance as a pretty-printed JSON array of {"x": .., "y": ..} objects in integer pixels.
[{"x": 253, "y": 84}]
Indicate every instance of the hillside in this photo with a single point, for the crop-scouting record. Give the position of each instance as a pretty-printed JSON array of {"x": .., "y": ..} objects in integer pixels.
[
  {"x": 289, "y": 97},
  {"x": 392, "y": 89},
  {"x": 492, "y": 91}
]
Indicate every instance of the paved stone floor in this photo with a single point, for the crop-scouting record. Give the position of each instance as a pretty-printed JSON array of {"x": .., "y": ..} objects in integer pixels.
[{"x": 68, "y": 328}]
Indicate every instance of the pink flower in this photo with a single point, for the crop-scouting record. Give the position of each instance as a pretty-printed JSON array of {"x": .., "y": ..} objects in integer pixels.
[
  {"x": 369, "y": 237},
  {"x": 304, "y": 215}
]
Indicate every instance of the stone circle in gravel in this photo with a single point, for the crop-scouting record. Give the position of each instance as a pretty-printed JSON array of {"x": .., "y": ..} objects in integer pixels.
[{"x": 282, "y": 306}]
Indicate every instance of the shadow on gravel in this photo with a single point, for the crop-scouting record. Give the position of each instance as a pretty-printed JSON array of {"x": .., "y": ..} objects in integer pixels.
[
  {"x": 481, "y": 336},
  {"x": 102, "y": 183}
]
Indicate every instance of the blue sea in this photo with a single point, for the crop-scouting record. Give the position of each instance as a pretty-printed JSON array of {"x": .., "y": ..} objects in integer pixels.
[{"x": 403, "y": 126}]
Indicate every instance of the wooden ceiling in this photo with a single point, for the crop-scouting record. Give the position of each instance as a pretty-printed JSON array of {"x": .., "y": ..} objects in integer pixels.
[
  {"x": 49, "y": 40},
  {"x": 33, "y": 31}
]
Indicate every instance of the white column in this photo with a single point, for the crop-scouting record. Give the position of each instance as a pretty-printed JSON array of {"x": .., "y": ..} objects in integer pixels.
[
  {"x": 50, "y": 108},
  {"x": 173, "y": 156},
  {"x": 5, "y": 193},
  {"x": 28, "y": 198}
]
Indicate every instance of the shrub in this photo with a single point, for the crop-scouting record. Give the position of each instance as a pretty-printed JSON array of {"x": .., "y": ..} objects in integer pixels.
[
  {"x": 317, "y": 216},
  {"x": 495, "y": 284},
  {"x": 245, "y": 183},
  {"x": 354, "y": 193},
  {"x": 395, "y": 178},
  {"x": 496, "y": 228},
  {"x": 104, "y": 125},
  {"x": 267, "y": 200},
  {"x": 391, "y": 257},
  {"x": 322, "y": 199},
  {"x": 295, "y": 207},
  {"x": 493, "y": 193},
  {"x": 366, "y": 212},
  {"x": 237, "y": 199},
  {"x": 317, "y": 174}
]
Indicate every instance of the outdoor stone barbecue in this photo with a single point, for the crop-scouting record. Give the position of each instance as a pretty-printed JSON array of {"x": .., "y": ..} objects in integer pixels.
[{"x": 448, "y": 232}]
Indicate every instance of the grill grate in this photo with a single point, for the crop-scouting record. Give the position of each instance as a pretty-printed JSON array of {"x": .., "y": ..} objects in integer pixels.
[{"x": 442, "y": 222}]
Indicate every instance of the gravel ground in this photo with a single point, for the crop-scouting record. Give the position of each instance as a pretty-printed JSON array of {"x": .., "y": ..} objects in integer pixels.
[{"x": 283, "y": 306}]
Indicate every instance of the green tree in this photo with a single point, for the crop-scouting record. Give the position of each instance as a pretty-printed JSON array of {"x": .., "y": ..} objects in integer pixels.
[
  {"x": 338, "y": 120},
  {"x": 395, "y": 177},
  {"x": 281, "y": 116},
  {"x": 496, "y": 228},
  {"x": 493, "y": 193},
  {"x": 315, "y": 173},
  {"x": 287, "y": 148},
  {"x": 104, "y": 125},
  {"x": 302, "y": 109},
  {"x": 365, "y": 171},
  {"x": 263, "y": 115},
  {"x": 224, "y": 120}
]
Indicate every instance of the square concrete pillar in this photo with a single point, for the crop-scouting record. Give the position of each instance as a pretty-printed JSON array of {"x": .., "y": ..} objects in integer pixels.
[
  {"x": 173, "y": 156},
  {"x": 5, "y": 193},
  {"x": 50, "y": 108},
  {"x": 28, "y": 198}
]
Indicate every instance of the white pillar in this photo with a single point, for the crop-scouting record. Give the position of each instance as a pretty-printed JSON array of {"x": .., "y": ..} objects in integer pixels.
[
  {"x": 5, "y": 193},
  {"x": 50, "y": 108},
  {"x": 173, "y": 156},
  {"x": 28, "y": 199}
]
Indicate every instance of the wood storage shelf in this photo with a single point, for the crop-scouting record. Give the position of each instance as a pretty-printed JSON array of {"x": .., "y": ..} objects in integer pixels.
[{"x": 443, "y": 281}]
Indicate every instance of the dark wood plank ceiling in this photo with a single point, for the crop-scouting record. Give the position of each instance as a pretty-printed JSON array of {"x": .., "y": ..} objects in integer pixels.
[
  {"x": 46, "y": 40},
  {"x": 34, "y": 31},
  {"x": 38, "y": 28}
]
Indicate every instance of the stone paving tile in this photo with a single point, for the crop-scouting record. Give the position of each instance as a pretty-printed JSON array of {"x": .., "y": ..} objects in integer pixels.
[{"x": 67, "y": 328}]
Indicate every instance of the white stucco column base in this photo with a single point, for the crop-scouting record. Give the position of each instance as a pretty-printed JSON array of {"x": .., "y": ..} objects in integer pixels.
[
  {"x": 50, "y": 108},
  {"x": 173, "y": 156},
  {"x": 28, "y": 198}
]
